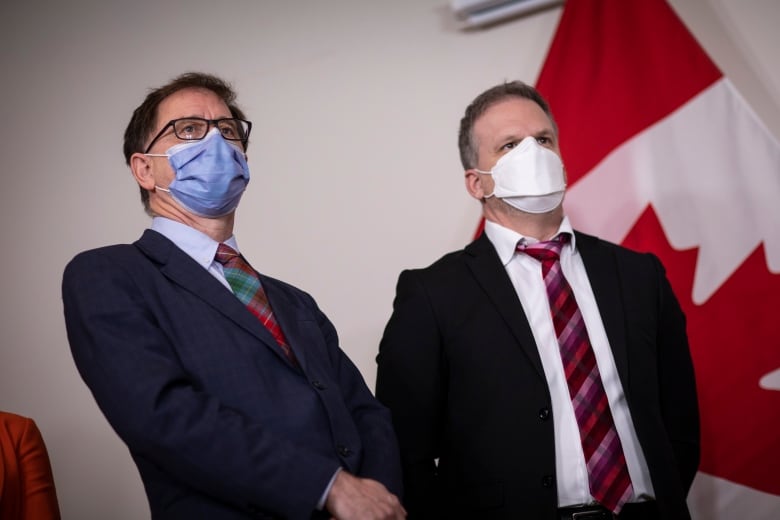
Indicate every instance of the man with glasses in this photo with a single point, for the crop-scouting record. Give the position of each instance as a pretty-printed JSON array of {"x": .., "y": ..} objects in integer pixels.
[{"x": 228, "y": 386}]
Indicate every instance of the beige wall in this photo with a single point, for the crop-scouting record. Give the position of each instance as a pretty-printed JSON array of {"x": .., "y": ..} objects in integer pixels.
[{"x": 355, "y": 171}]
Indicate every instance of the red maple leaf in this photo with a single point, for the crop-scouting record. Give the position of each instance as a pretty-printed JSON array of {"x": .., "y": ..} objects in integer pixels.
[{"x": 734, "y": 342}]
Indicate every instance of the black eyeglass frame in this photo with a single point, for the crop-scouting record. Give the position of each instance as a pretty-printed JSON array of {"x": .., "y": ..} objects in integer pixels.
[{"x": 209, "y": 124}]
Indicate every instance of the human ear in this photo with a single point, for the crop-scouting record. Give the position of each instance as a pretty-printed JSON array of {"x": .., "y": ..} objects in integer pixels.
[
  {"x": 141, "y": 168},
  {"x": 476, "y": 184}
]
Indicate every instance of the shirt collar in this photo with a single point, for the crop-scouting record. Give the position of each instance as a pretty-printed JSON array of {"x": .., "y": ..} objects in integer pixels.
[
  {"x": 197, "y": 245},
  {"x": 505, "y": 240}
]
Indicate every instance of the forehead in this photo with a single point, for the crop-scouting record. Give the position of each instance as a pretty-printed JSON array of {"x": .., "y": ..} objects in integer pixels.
[
  {"x": 516, "y": 116},
  {"x": 198, "y": 102}
]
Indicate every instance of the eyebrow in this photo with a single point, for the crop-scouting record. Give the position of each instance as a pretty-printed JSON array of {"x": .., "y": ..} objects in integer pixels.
[{"x": 545, "y": 132}]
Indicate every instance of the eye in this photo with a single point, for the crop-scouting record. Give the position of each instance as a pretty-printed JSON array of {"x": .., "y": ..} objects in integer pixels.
[
  {"x": 229, "y": 129},
  {"x": 509, "y": 145},
  {"x": 190, "y": 128},
  {"x": 543, "y": 140}
]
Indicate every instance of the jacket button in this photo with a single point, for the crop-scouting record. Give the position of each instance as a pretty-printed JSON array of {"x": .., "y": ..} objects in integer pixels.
[
  {"x": 547, "y": 481},
  {"x": 318, "y": 385},
  {"x": 544, "y": 413},
  {"x": 343, "y": 450}
]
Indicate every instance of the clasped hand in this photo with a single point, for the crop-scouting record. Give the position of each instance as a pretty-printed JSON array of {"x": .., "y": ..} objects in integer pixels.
[{"x": 352, "y": 497}]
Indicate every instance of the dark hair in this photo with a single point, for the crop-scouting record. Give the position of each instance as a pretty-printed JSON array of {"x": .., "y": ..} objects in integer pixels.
[
  {"x": 493, "y": 95},
  {"x": 144, "y": 119}
]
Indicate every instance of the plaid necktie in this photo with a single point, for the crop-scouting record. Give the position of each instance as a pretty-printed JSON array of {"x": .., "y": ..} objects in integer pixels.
[
  {"x": 246, "y": 286},
  {"x": 610, "y": 483}
]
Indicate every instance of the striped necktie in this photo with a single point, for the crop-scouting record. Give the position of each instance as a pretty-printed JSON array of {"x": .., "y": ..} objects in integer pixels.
[{"x": 610, "y": 483}]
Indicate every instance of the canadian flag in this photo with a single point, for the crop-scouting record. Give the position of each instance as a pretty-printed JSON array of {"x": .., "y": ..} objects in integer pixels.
[{"x": 664, "y": 155}]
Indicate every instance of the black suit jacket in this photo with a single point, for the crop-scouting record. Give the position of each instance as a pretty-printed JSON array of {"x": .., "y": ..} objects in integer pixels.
[
  {"x": 219, "y": 423},
  {"x": 459, "y": 368}
]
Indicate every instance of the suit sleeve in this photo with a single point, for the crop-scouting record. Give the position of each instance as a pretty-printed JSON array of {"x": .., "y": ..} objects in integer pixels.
[
  {"x": 161, "y": 412},
  {"x": 411, "y": 381},
  {"x": 679, "y": 402},
  {"x": 380, "y": 458}
]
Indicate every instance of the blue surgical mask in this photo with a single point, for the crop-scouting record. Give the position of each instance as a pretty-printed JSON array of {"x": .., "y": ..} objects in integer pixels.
[{"x": 211, "y": 175}]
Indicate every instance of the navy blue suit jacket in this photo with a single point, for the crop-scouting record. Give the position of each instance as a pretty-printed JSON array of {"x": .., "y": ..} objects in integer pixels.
[
  {"x": 460, "y": 370},
  {"x": 220, "y": 424}
]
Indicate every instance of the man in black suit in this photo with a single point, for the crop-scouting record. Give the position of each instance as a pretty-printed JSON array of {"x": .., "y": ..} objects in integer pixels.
[
  {"x": 230, "y": 409},
  {"x": 496, "y": 418}
]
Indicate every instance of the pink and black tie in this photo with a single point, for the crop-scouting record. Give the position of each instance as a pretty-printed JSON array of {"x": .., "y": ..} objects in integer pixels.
[
  {"x": 246, "y": 286},
  {"x": 610, "y": 483}
]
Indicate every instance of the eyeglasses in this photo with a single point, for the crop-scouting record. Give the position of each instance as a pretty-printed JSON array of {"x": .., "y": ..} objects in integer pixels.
[{"x": 196, "y": 128}]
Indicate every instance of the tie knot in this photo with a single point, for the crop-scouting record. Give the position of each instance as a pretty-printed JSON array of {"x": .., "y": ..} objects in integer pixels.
[
  {"x": 225, "y": 254},
  {"x": 545, "y": 251}
]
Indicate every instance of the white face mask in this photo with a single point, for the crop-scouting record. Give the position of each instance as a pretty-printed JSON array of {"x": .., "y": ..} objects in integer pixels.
[{"x": 529, "y": 177}]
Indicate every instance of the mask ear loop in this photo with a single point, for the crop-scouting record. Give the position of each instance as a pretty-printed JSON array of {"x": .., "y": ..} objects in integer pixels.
[
  {"x": 156, "y": 187},
  {"x": 487, "y": 173}
]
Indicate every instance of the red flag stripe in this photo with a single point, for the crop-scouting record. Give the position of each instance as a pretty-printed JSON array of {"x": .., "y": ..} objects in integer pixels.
[{"x": 625, "y": 44}]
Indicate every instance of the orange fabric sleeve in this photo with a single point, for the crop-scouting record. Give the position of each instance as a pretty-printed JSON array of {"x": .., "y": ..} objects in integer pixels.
[{"x": 27, "y": 482}]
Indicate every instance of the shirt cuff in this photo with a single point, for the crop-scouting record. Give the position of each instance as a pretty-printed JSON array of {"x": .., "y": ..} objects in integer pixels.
[{"x": 324, "y": 497}]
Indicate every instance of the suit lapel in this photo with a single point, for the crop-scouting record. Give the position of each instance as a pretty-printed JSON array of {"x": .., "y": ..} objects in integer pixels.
[
  {"x": 182, "y": 270},
  {"x": 486, "y": 267},
  {"x": 600, "y": 264},
  {"x": 288, "y": 314}
]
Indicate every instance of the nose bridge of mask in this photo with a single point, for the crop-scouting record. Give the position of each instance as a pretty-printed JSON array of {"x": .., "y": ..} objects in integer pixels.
[
  {"x": 522, "y": 147},
  {"x": 214, "y": 145},
  {"x": 529, "y": 169},
  {"x": 182, "y": 153}
]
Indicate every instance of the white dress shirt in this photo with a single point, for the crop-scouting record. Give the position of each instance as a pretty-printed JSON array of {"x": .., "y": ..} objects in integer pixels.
[{"x": 526, "y": 275}]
